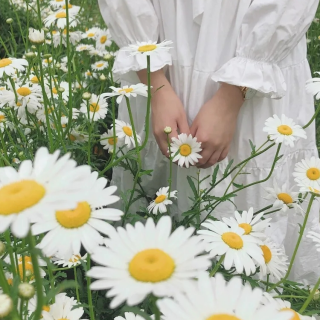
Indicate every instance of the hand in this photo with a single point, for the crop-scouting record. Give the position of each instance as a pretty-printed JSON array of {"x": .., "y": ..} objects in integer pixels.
[
  {"x": 215, "y": 124},
  {"x": 166, "y": 110}
]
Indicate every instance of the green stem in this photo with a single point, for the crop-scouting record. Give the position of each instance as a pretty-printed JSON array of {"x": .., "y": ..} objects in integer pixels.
[
  {"x": 263, "y": 209},
  {"x": 76, "y": 280},
  {"x": 13, "y": 263},
  {"x": 38, "y": 278},
  {"x": 297, "y": 245},
  {"x": 170, "y": 165},
  {"x": 216, "y": 267},
  {"x": 89, "y": 291},
  {"x": 313, "y": 117},
  {"x": 3, "y": 281},
  {"x": 306, "y": 303}
]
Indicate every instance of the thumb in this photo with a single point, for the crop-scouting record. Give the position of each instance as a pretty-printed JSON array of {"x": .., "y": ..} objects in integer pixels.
[{"x": 183, "y": 125}]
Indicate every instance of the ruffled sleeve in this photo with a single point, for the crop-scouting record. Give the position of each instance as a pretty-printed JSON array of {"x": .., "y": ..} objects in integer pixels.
[
  {"x": 130, "y": 21},
  {"x": 269, "y": 31}
]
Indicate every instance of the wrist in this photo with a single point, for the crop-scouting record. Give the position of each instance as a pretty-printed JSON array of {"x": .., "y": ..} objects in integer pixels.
[{"x": 232, "y": 94}]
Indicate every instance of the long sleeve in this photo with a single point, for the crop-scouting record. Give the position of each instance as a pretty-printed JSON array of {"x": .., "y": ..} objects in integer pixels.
[
  {"x": 130, "y": 21},
  {"x": 270, "y": 30}
]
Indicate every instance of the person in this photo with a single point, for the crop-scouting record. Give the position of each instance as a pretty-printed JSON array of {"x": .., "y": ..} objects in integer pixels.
[{"x": 220, "y": 49}]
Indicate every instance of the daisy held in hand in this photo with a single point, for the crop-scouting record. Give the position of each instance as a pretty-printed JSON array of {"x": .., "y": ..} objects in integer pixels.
[
  {"x": 185, "y": 149},
  {"x": 159, "y": 205},
  {"x": 148, "y": 48},
  {"x": 283, "y": 130},
  {"x": 144, "y": 259}
]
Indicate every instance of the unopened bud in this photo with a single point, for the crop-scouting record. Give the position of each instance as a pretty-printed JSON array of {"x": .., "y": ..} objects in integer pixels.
[
  {"x": 47, "y": 55},
  {"x": 45, "y": 29},
  {"x": 60, "y": 89},
  {"x": 33, "y": 48},
  {"x": 58, "y": 65},
  {"x": 167, "y": 130},
  {"x": 2, "y": 248},
  {"x": 103, "y": 77},
  {"x": 30, "y": 55},
  {"x": 316, "y": 295},
  {"x": 86, "y": 95},
  {"x": 9, "y": 21},
  {"x": 6, "y": 305},
  {"x": 108, "y": 56},
  {"x": 26, "y": 290}
]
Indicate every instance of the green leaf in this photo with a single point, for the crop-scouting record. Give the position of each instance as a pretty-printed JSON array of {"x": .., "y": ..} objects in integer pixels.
[
  {"x": 227, "y": 168},
  {"x": 145, "y": 173},
  {"x": 61, "y": 287},
  {"x": 238, "y": 186},
  {"x": 253, "y": 147},
  {"x": 193, "y": 187},
  {"x": 214, "y": 175}
]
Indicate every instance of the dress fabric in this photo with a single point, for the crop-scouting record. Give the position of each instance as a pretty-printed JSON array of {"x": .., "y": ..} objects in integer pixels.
[{"x": 260, "y": 44}]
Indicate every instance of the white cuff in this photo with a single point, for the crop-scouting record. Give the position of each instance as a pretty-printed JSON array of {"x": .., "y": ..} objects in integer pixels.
[{"x": 265, "y": 77}]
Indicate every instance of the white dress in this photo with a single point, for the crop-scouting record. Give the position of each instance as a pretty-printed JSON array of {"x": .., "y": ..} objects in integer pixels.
[{"x": 259, "y": 44}]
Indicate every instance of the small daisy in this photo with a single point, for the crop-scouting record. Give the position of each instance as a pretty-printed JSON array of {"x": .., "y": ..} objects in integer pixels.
[
  {"x": 68, "y": 229},
  {"x": 129, "y": 316},
  {"x": 84, "y": 47},
  {"x": 56, "y": 87},
  {"x": 215, "y": 299},
  {"x": 275, "y": 261},
  {"x": 99, "y": 65},
  {"x": 41, "y": 114},
  {"x": 30, "y": 96},
  {"x": 240, "y": 250},
  {"x": 58, "y": 38},
  {"x": 148, "y": 48},
  {"x": 108, "y": 141},
  {"x": 315, "y": 237},
  {"x": 313, "y": 87},
  {"x": 144, "y": 259},
  {"x": 283, "y": 197},
  {"x": 91, "y": 33},
  {"x": 159, "y": 205},
  {"x": 283, "y": 130},
  {"x": 124, "y": 132},
  {"x": 96, "y": 52},
  {"x": 44, "y": 186},
  {"x": 74, "y": 261},
  {"x": 103, "y": 39},
  {"x": 32, "y": 305},
  {"x": 9, "y": 66},
  {"x": 60, "y": 18},
  {"x": 63, "y": 308},
  {"x": 126, "y": 91},
  {"x": 282, "y": 306},
  {"x": 98, "y": 107},
  {"x": 76, "y": 136},
  {"x": 47, "y": 62},
  {"x": 251, "y": 225},
  {"x": 90, "y": 75},
  {"x": 185, "y": 149},
  {"x": 307, "y": 173},
  {"x": 310, "y": 189}
]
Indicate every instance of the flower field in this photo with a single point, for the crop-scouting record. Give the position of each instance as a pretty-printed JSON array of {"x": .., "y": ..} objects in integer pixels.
[{"x": 74, "y": 247}]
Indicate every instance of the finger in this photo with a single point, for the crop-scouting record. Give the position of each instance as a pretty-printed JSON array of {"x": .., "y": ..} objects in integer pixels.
[
  {"x": 212, "y": 160},
  {"x": 183, "y": 125},
  {"x": 206, "y": 155}
]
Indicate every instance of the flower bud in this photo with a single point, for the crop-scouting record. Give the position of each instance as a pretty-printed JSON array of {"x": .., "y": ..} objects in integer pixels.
[
  {"x": 26, "y": 290},
  {"x": 36, "y": 36},
  {"x": 30, "y": 55},
  {"x": 167, "y": 130},
  {"x": 33, "y": 48},
  {"x": 58, "y": 65},
  {"x": 316, "y": 295},
  {"x": 6, "y": 305},
  {"x": 103, "y": 77},
  {"x": 9, "y": 21},
  {"x": 108, "y": 56},
  {"x": 2, "y": 248},
  {"x": 86, "y": 95},
  {"x": 60, "y": 89},
  {"x": 45, "y": 29},
  {"x": 47, "y": 55}
]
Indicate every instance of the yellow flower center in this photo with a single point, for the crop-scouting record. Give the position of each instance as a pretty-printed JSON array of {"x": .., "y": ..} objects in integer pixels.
[
  {"x": 54, "y": 32},
  {"x": 103, "y": 39},
  {"x": 69, "y": 6},
  {"x": 5, "y": 62},
  {"x": 126, "y": 90},
  {"x": 18, "y": 104},
  {"x": 185, "y": 150},
  {"x": 46, "y": 308},
  {"x": 10, "y": 281},
  {"x": 94, "y": 107},
  {"x": 2, "y": 117},
  {"x": 285, "y": 130},
  {"x": 314, "y": 190},
  {"x": 18, "y": 196},
  {"x": 72, "y": 137},
  {"x": 223, "y": 316},
  {"x": 89, "y": 73},
  {"x": 246, "y": 227},
  {"x": 313, "y": 173},
  {"x": 151, "y": 265},
  {"x": 34, "y": 79},
  {"x": 24, "y": 91},
  {"x": 267, "y": 254},
  {"x": 286, "y": 198},
  {"x": 112, "y": 141},
  {"x": 90, "y": 34},
  {"x": 54, "y": 90},
  {"x": 147, "y": 47},
  {"x": 63, "y": 319},
  {"x": 64, "y": 31},
  {"x": 76, "y": 258},
  {"x": 76, "y": 218},
  {"x": 127, "y": 131},
  {"x": 160, "y": 199},
  {"x": 61, "y": 14},
  {"x": 59, "y": 0},
  {"x": 295, "y": 314},
  {"x": 233, "y": 240},
  {"x": 48, "y": 60},
  {"x": 28, "y": 267},
  {"x": 99, "y": 65}
]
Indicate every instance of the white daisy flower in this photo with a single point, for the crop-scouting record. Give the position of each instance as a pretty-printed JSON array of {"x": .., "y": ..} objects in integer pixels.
[
  {"x": 185, "y": 149},
  {"x": 283, "y": 197},
  {"x": 41, "y": 114},
  {"x": 57, "y": 4},
  {"x": 250, "y": 224},
  {"x": 313, "y": 87},
  {"x": 126, "y": 91},
  {"x": 159, "y": 205},
  {"x": 215, "y": 299},
  {"x": 240, "y": 250},
  {"x": 74, "y": 261},
  {"x": 36, "y": 36},
  {"x": 129, "y": 316},
  {"x": 282, "y": 306},
  {"x": 307, "y": 173},
  {"x": 10, "y": 65},
  {"x": 44, "y": 186},
  {"x": 84, "y": 47},
  {"x": 98, "y": 107},
  {"x": 91, "y": 33},
  {"x": 108, "y": 141},
  {"x": 61, "y": 37},
  {"x": 76, "y": 136},
  {"x": 144, "y": 259},
  {"x": 310, "y": 189},
  {"x": 30, "y": 97},
  {"x": 124, "y": 132},
  {"x": 4, "y": 123},
  {"x": 63, "y": 308},
  {"x": 99, "y": 65},
  {"x": 47, "y": 62},
  {"x": 283, "y": 130},
  {"x": 90, "y": 75},
  {"x": 148, "y": 48},
  {"x": 60, "y": 18},
  {"x": 56, "y": 87},
  {"x": 96, "y": 52},
  {"x": 68, "y": 229},
  {"x": 103, "y": 39},
  {"x": 275, "y": 261},
  {"x": 32, "y": 305}
]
